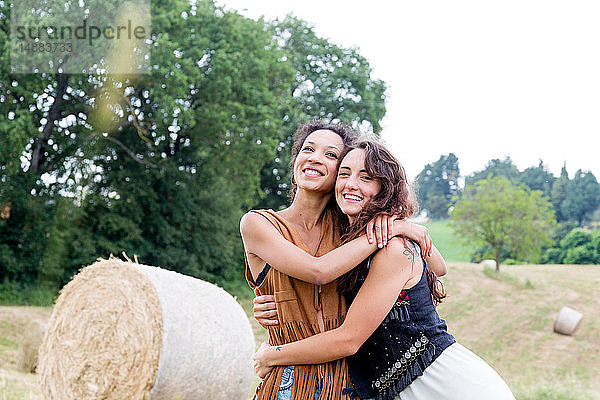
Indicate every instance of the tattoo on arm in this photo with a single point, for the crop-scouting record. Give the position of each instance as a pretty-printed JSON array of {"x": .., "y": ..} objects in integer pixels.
[
  {"x": 409, "y": 254},
  {"x": 278, "y": 348}
]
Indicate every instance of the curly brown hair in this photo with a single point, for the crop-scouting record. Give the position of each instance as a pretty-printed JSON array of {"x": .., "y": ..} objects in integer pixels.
[
  {"x": 347, "y": 134},
  {"x": 395, "y": 197}
]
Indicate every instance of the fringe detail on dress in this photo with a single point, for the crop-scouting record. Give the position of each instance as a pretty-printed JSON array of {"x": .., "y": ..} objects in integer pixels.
[{"x": 330, "y": 378}]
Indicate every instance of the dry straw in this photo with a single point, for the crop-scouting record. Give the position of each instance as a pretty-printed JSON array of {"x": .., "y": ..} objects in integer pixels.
[
  {"x": 122, "y": 330},
  {"x": 27, "y": 359}
]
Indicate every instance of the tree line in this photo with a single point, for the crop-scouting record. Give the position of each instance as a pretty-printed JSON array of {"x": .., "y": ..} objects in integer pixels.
[
  {"x": 516, "y": 216},
  {"x": 575, "y": 199},
  {"x": 163, "y": 165}
]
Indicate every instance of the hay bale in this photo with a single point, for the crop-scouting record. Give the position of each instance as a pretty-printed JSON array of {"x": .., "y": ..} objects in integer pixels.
[
  {"x": 488, "y": 264},
  {"x": 567, "y": 321},
  {"x": 122, "y": 330},
  {"x": 27, "y": 358}
]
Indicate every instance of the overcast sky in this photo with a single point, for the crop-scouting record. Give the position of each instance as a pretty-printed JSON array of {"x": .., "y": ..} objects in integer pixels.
[{"x": 482, "y": 79}]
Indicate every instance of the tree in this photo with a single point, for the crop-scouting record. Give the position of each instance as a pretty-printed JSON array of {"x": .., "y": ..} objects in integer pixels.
[
  {"x": 437, "y": 185},
  {"x": 180, "y": 179},
  {"x": 559, "y": 193},
  {"x": 146, "y": 162},
  {"x": 582, "y": 197},
  {"x": 495, "y": 167},
  {"x": 38, "y": 143},
  {"x": 160, "y": 165},
  {"x": 579, "y": 246},
  {"x": 504, "y": 214},
  {"x": 538, "y": 178}
]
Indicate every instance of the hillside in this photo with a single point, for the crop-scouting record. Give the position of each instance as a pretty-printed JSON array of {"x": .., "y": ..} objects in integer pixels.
[
  {"x": 506, "y": 319},
  {"x": 509, "y": 321}
]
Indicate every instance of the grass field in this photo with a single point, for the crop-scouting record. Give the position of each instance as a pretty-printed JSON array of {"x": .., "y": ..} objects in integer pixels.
[
  {"x": 445, "y": 240},
  {"x": 506, "y": 319}
]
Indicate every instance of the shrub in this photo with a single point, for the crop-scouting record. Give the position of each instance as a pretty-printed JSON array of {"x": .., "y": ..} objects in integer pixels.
[
  {"x": 580, "y": 255},
  {"x": 511, "y": 261},
  {"x": 552, "y": 255},
  {"x": 580, "y": 246}
]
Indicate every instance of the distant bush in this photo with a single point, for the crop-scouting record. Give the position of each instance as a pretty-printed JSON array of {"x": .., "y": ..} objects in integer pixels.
[
  {"x": 579, "y": 246},
  {"x": 552, "y": 255}
]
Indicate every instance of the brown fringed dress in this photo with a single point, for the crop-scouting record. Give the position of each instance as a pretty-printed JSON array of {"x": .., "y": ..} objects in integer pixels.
[{"x": 304, "y": 310}]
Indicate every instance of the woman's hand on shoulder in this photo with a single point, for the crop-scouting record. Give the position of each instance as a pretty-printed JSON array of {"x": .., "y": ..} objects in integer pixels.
[
  {"x": 418, "y": 233},
  {"x": 383, "y": 227},
  {"x": 380, "y": 229}
]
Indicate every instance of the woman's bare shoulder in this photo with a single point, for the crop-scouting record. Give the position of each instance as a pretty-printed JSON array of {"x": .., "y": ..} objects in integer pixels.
[
  {"x": 397, "y": 252},
  {"x": 253, "y": 222}
]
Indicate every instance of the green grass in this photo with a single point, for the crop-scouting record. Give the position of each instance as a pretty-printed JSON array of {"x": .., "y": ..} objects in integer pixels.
[{"x": 445, "y": 240}]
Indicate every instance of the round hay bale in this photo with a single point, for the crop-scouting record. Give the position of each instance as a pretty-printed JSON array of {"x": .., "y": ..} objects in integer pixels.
[
  {"x": 488, "y": 264},
  {"x": 567, "y": 321},
  {"x": 122, "y": 330},
  {"x": 27, "y": 359}
]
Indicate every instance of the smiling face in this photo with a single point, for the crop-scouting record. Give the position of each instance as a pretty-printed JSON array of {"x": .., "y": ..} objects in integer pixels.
[
  {"x": 354, "y": 187},
  {"x": 316, "y": 164}
]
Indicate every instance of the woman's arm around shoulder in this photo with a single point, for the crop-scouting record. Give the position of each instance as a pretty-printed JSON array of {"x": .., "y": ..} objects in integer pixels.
[
  {"x": 263, "y": 240},
  {"x": 390, "y": 269},
  {"x": 436, "y": 262}
]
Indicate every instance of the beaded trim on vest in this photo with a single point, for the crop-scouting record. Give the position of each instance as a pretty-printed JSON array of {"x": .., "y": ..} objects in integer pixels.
[{"x": 405, "y": 369}]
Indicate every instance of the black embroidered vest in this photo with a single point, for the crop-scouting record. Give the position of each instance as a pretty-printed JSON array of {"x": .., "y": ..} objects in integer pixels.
[{"x": 410, "y": 338}]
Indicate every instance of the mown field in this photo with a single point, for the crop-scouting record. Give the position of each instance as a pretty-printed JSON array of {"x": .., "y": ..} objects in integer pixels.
[{"x": 507, "y": 319}]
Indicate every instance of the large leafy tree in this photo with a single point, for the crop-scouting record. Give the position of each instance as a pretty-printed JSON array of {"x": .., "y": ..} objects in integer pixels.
[
  {"x": 582, "y": 197},
  {"x": 155, "y": 162},
  {"x": 437, "y": 185},
  {"x": 208, "y": 117},
  {"x": 39, "y": 142},
  {"x": 159, "y": 165},
  {"x": 503, "y": 214}
]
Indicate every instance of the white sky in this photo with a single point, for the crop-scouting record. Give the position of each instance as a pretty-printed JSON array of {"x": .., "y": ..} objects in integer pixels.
[{"x": 483, "y": 79}]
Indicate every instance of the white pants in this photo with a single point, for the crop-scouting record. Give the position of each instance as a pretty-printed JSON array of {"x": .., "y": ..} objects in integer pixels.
[{"x": 457, "y": 374}]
